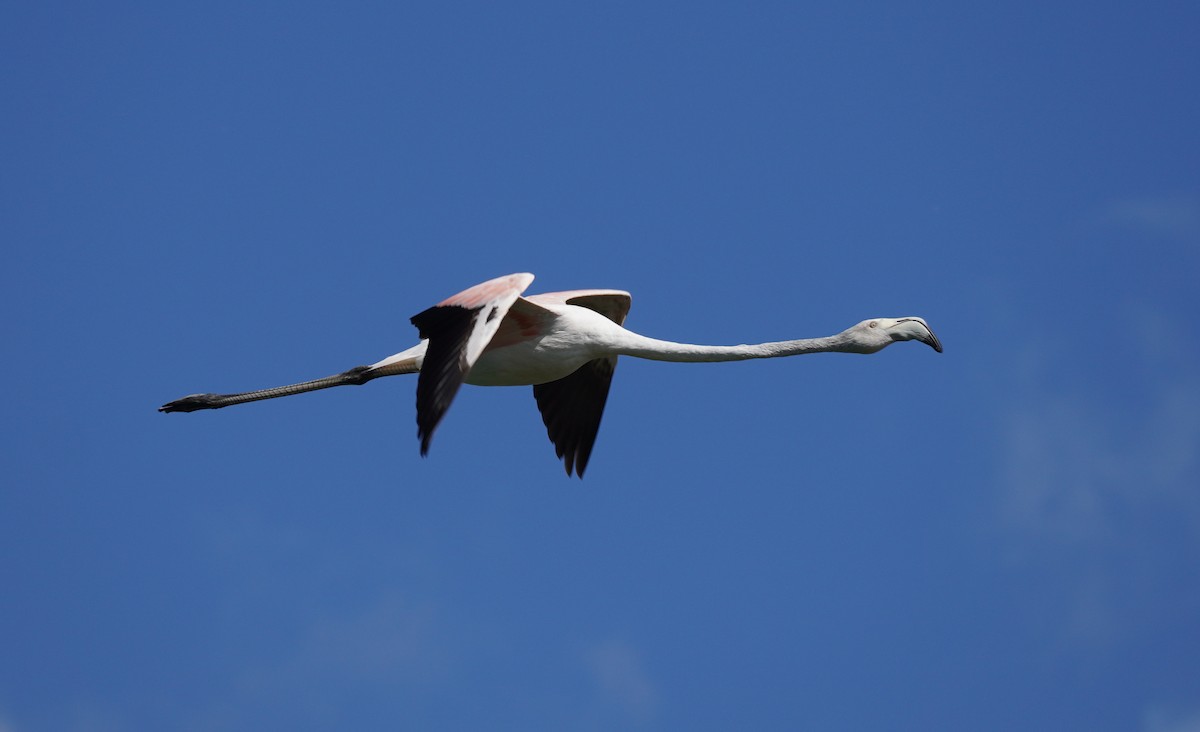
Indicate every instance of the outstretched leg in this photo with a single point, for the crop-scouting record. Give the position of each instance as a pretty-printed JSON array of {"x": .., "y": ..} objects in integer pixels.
[
  {"x": 194, "y": 402},
  {"x": 408, "y": 362}
]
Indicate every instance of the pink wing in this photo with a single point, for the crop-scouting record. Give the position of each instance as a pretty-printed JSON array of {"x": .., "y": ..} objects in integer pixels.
[
  {"x": 572, "y": 406},
  {"x": 458, "y": 329},
  {"x": 612, "y": 304}
]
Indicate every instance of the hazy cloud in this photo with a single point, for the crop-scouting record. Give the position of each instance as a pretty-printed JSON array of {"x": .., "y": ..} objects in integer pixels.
[
  {"x": 1174, "y": 216},
  {"x": 621, "y": 679},
  {"x": 1072, "y": 464},
  {"x": 1075, "y": 460},
  {"x": 1084, "y": 469},
  {"x": 389, "y": 641},
  {"x": 391, "y": 644},
  {"x": 1058, "y": 469},
  {"x": 1165, "y": 719}
]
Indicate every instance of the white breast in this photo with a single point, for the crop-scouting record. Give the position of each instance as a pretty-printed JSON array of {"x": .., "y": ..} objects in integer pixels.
[{"x": 565, "y": 343}]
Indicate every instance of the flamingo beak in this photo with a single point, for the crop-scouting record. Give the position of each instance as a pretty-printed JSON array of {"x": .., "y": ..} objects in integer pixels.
[
  {"x": 923, "y": 334},
  {"x": 930, "y": 339}
]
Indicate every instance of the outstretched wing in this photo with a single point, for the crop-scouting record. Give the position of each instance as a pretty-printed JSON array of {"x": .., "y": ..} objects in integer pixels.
[
  {"x": 458, "y": 329},
  {"x": 572, "y": 406}
]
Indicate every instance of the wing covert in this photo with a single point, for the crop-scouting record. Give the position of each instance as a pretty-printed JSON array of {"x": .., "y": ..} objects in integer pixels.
[{"x": 458, "y": 329}]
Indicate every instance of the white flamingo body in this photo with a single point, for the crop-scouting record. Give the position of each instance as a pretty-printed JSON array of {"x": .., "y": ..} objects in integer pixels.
[
  {"x": 561, "y": 344},
  {"x": 575, "y": 336},
  {"x": 564, "y": 344}
]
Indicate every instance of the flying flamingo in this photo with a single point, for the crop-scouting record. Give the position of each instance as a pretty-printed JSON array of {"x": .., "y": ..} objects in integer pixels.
[{"x": 564, "y": 344}]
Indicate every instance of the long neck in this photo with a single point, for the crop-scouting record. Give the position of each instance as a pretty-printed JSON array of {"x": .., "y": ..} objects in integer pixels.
[{"x": 656, "y": 350}]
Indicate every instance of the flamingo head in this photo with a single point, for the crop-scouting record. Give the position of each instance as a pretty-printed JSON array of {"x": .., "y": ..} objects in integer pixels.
[{"x": 871, "y": 336}]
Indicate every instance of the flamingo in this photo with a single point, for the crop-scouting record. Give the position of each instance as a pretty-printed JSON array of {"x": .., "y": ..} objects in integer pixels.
[{"x": 564, "y": 344}]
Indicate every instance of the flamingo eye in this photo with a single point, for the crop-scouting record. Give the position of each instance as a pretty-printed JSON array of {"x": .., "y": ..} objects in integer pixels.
[{"x": 873, "y": 324}]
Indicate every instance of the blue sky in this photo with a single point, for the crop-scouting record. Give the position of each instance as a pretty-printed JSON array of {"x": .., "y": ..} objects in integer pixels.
[{"x": 218, "y": 198}]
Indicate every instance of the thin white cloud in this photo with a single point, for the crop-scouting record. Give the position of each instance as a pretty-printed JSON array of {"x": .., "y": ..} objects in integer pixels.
[
  {"x": 1172, "y": 216},
  {"x": 1074, "y": 460},
  {"x": 1161, "y": 718},
  {"x": 389, "y": 641},
  {"x": 1084, "y": 471},
  {"x": 392, "y": 643},
  {"x": 1073, "y": 463},
  {"x": 1058, "y": 469},
  {"x": 621, "y": 679}
]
